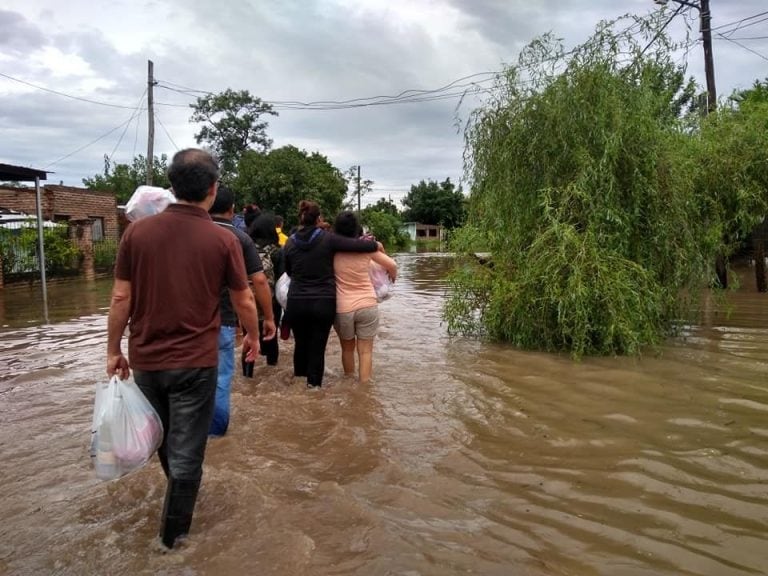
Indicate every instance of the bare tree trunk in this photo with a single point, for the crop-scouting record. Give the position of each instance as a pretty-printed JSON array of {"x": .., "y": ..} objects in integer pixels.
[{"x": 721, "y": 268}]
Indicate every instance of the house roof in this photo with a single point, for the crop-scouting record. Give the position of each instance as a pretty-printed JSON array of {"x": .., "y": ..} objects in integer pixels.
[{"x": 21, "y": 173}]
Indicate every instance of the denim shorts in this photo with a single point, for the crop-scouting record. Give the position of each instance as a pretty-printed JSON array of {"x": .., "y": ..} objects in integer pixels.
[{"x": 363, "y": 324}]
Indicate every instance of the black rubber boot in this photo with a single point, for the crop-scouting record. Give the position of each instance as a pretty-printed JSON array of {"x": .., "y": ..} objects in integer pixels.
[{"x": 179, "y": 505}]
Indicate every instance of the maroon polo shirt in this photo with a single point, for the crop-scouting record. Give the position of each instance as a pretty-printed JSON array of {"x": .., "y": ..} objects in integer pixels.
[{"x": 177, "y": 263}]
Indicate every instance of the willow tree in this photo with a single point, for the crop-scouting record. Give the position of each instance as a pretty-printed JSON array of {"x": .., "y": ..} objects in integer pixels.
[{"x": 582, "y": 192}]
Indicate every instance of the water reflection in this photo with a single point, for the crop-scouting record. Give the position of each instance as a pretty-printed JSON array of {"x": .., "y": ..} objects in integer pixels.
[{"x": 461, "y": 457}]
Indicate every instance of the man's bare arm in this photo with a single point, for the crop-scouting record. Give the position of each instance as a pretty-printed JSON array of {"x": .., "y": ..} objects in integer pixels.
[
  {"x": 245, "y": 307},
  {"x": 263, "y": 296},
  {"x": 119, "y": 313}
]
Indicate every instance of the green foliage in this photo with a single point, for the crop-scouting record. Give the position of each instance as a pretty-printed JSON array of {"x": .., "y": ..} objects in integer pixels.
[
  {"x": 386, "y": 206},
  {"x": 731, "y": 166},
  {"x": 433, "y": 203},
  {"x": 19, "y": 250},
  {"x": 104, "y": 254},
  {"x": 583, "y": 193},
  {"x": 232, "y": 125},
  {"x": 123, "y": 179},
  {"x": 385, "y": 226},
  {"x": 353, "y": 199},
  {"x": 279, "y": 180}
]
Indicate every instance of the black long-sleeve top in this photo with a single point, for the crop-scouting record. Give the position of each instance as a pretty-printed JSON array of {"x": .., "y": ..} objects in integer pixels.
[{"x": 308, "y": 257}]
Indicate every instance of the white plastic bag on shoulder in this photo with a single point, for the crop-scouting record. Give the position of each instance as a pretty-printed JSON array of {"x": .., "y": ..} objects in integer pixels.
[
  {"x": 125, "y": 431},
  {"x": 382, "y": 283},
  {"x": 147, "y": 201}
]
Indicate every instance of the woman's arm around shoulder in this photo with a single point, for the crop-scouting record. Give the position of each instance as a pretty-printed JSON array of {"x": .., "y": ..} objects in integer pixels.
[{"x": 343, "y": 244}]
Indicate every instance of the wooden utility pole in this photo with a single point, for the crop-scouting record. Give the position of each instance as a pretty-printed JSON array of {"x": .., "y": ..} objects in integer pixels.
[
  {"x": 358, "y": 189},
  {"x": 709, "y": 65},
  {"x": 150, "y": 120}
]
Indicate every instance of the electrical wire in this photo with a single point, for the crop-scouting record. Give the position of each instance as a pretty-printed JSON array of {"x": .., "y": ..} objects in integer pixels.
[
  {"x": 660, "y": 30},
  {"x": 166, "y": 131},
  {"x": 135, "y": 114},
  {"x": 91, "y": 143},
  {"x": 64, "y": 94},
  {"x": 764, "y": 57}
]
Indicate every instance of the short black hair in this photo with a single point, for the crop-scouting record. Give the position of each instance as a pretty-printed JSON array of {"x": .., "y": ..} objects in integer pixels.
[
  {"x": 262, "y": 230},
  {"x": 346, "y": 224},
  {"x": 225, "y": 199},
  {"x": 192, "y": 173}
]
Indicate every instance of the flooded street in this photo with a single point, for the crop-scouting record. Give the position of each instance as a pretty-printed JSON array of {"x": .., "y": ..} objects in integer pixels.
[{"x": 460, "y": 458}]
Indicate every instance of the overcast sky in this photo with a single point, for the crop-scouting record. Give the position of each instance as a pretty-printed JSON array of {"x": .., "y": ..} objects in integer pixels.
[{"x": 295, "y": 50}]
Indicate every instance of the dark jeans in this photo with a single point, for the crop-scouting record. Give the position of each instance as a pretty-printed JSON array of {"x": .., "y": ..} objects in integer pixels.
[
  {"x": 311, "y": 321},
  {"x": 270, "y": 348},
  {"x": 184, "y": 399}
]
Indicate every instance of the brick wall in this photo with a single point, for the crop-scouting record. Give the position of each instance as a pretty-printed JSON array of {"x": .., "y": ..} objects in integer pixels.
[{"x": 65, "y": 201}]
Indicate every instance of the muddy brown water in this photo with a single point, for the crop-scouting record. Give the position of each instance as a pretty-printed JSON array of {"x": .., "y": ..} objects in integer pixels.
[{"x": 460, "y": 458}]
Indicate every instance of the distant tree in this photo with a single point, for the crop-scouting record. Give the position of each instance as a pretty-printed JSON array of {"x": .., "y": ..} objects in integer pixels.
[
  {"x": 386, "y": 206},
  {"x": 352, "y": 200},
  {"x": 732, "y": 174},
  {"x": 383, "y": 221},
  {"x": 433, "y": 203},
  {"x": 278, "y": 180},
  {"x": 232, "y": 125},
  {"x": 123, "y": 179}
]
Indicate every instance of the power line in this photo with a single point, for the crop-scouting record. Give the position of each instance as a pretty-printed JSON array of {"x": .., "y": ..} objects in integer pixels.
[
  {"x": 166, "y": 131},
  {"x": 64, "y": 94},
  {"x": 745, "y": 47},
  {"x": 135, "y": 113},
  {"x": 736, "y": 25},
  {"x": 660, "y": 30},
  {"x": 91, "y": 143}
]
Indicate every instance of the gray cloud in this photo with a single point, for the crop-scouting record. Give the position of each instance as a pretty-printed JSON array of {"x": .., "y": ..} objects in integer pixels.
[
  {"x": 295, "y": 50},
  {"x": 20, "y": 36}
]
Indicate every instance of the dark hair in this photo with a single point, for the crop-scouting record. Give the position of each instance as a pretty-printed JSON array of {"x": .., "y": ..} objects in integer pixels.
[
  {"x": 278, "y": 221},
  {"x": 262, "y": 230},
  {"x": 192, "y": 173},
  {"x": 250, "y": 213},
  {"x": 225, "y": 199},
  {"x": 309, "y": 213},
  {"x": 346, "y": 224}
]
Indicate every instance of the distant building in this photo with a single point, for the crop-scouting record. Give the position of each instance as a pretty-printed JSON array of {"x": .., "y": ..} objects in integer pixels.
[
  {"x": 417, "y": 232},
  {"x": 62, "y": 204}
]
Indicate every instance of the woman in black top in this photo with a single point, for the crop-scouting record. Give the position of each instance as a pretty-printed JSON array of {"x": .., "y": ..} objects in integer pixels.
[{"x": 311, "y": 306}]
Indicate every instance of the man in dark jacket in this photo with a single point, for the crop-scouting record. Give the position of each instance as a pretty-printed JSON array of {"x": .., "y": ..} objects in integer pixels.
[{"x": 222, "y": 213}]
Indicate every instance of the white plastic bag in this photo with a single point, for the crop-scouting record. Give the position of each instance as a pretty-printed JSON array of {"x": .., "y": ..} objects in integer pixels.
[
  {"x": 382, "y": 284},
  {"x": 281, "y": 289},
  {"x": 146, "y": 201},
  {"x": 126, "y": 430}
]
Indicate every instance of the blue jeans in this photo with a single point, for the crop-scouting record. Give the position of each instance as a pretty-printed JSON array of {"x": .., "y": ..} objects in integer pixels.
[{"x": 220, "y": 421}]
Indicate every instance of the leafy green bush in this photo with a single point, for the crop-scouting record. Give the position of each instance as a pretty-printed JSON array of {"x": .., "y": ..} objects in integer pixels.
[
  {"x": 386, "y": 228},
  {"x": 582, "y": 190},
  {"x": 20, "y": 253}
]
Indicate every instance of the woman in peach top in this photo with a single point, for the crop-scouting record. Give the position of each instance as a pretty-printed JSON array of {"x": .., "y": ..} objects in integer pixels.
[{"x": 357, "y": 310}]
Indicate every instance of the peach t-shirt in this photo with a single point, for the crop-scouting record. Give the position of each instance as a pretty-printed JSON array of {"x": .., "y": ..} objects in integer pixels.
[{"x": 354, "y": 290}]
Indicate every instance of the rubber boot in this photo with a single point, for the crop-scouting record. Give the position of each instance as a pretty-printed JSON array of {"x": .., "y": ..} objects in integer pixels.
[{"x": 180, "y": 498}]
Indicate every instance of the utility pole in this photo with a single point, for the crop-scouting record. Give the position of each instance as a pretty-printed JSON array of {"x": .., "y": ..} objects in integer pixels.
[
  {"x": 709, "y": 65},
  {"x": 705, "y": 19},
  {"x": 358, "y": 189},
  {"x": 150, "y": 120}
]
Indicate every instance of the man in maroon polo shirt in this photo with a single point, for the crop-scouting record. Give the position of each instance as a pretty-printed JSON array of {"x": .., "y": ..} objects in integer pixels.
[{"x": 168, "y": 278}]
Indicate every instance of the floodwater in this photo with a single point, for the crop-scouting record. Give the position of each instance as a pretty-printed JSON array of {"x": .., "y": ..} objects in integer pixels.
[{"x": 461, "y": 457}]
